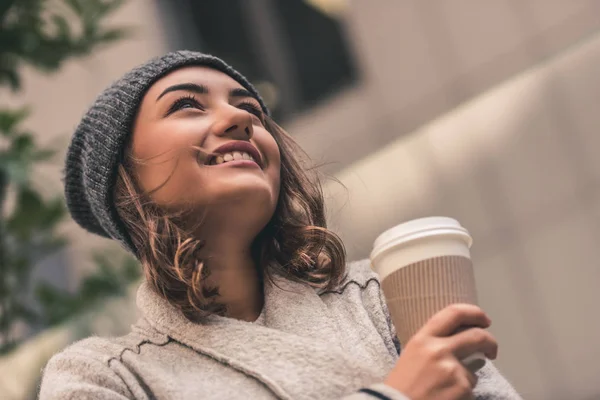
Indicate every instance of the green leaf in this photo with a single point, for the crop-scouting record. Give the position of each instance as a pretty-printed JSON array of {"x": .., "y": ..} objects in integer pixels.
[
  {"x": 10, "y": 77},
  {"x": 53, "y": 212},
  {"x": 17, "y": 170},
  {"x": 34, "y": 215},
  {"x": 109, "y": 6},
  {"x": 5, "y": 6},
  {"x": 57, "y": 304},
  {"x": 20, "y": 264},
  {"x": 6, "y": 348},
  {"x": 10, "y": 120},
  {"x": 25, "y": 313},
  {"x": 100, "y": 259},
  {"x": 76, "y": 6},
  {"x": 95, "y": 287},
  {"x": 22, "y": 145},
  {"x": 131, "y": 270},
  {"x": 62, "y": 26},
  {"x": 26, "y": 215}
]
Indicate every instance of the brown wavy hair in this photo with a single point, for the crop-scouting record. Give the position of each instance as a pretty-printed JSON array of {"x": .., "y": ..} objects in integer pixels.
[{"x": 295, "y": 243}]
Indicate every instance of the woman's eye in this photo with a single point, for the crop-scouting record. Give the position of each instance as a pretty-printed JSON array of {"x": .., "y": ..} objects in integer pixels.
[
  {"x": 185, "y": 103},
  {"x": 254, "y": 110}
]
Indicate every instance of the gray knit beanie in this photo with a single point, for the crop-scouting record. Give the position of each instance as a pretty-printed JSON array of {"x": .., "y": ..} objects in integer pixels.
[{"x": 98, "y": 143}]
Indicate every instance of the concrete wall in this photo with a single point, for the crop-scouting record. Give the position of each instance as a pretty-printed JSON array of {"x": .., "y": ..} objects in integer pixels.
[
  {"x": 513, "y": 89},
  {"x": 516, "y": 166},
  {"x": 419, "y": 60}
]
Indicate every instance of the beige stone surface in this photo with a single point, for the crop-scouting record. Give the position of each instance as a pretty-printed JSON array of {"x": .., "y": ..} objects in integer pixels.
[{"x": 500, "y": 164}]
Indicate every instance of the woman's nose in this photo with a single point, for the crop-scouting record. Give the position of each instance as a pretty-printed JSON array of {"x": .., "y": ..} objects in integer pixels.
[{"x": 235, "y": 123}]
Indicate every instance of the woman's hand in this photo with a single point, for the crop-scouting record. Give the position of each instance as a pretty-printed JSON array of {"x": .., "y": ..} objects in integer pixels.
[{"x": 429, "y": 366}]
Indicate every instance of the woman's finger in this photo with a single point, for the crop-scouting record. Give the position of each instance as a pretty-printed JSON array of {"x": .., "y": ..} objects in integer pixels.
[
  {"x": 451, "y": 318},
  {"x": 473, "y": 340}
]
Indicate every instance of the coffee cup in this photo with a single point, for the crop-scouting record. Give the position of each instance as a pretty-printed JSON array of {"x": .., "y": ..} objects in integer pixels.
[{"x": 425, "y": 265}]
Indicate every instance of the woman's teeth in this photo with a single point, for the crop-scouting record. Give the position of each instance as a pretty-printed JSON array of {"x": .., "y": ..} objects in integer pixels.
[{"x": 233, "y": 156}]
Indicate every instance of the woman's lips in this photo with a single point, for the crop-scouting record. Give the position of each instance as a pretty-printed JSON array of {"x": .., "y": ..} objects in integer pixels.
[
  {"x": 237, "y": 163},
  {"x": 231, "y": 157},
  {"x": 235, "y": 151}
]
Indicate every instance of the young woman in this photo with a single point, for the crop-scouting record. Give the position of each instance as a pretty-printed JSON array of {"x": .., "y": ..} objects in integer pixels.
[{"x": 246, "y": 293}]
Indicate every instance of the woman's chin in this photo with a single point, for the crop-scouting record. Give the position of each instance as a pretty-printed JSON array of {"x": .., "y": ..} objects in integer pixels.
[
  {"x": 240, "y": 180},
  {"x": 243, "y": 211}
]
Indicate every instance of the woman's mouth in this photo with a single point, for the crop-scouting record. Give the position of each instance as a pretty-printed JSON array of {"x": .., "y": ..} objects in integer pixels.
[
  {"x": 231, "y": 156},
  {"x": 235, "y": 152}
]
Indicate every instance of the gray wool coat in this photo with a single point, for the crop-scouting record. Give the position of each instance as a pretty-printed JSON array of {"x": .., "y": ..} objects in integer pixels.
[{"x": 305, "y": 345}]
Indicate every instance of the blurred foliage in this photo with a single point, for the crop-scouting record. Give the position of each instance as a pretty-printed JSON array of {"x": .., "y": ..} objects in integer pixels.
[
  {"x": 43, "y": 34},
  {"x": 58, "y": 305}
]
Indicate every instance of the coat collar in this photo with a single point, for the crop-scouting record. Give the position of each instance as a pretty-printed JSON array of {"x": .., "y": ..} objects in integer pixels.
[{"x": 298, "y": 343}]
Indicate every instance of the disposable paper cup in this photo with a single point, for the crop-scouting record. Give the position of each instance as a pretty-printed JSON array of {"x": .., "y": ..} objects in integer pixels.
[{"x": 425, "y": 265}]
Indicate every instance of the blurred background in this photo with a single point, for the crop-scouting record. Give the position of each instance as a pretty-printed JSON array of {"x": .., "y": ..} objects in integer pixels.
[{"x": 485, "y": 111}]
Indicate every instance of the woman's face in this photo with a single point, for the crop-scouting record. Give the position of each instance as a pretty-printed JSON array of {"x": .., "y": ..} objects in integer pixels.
[{"x": 200, "y": 144}]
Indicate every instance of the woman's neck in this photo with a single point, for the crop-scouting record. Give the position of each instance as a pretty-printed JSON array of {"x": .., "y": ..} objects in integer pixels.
[{"x": 239, "y": 281}]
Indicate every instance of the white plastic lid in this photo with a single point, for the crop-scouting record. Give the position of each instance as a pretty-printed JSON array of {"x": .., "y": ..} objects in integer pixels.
[{"x": 417, "y": 229}]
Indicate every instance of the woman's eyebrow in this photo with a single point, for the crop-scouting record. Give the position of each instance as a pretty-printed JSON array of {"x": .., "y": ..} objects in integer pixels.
[
  {"x": 188, "y": 87},
  {"x": 239, "y": 92}
]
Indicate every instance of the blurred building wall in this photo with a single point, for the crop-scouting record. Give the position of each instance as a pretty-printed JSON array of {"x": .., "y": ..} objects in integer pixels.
[
  {"x": 513, "y": 89},
  {"x": 484, "y": 111},
  {"x": 516, "y": 166}
]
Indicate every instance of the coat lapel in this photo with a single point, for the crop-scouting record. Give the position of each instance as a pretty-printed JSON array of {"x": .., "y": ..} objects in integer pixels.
[{"x": 299, "y": 342}]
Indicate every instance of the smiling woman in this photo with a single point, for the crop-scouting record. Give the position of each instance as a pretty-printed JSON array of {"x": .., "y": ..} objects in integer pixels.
[
  {"x": 246, "y": 292},
  {"x": 218, "y": 168}
]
